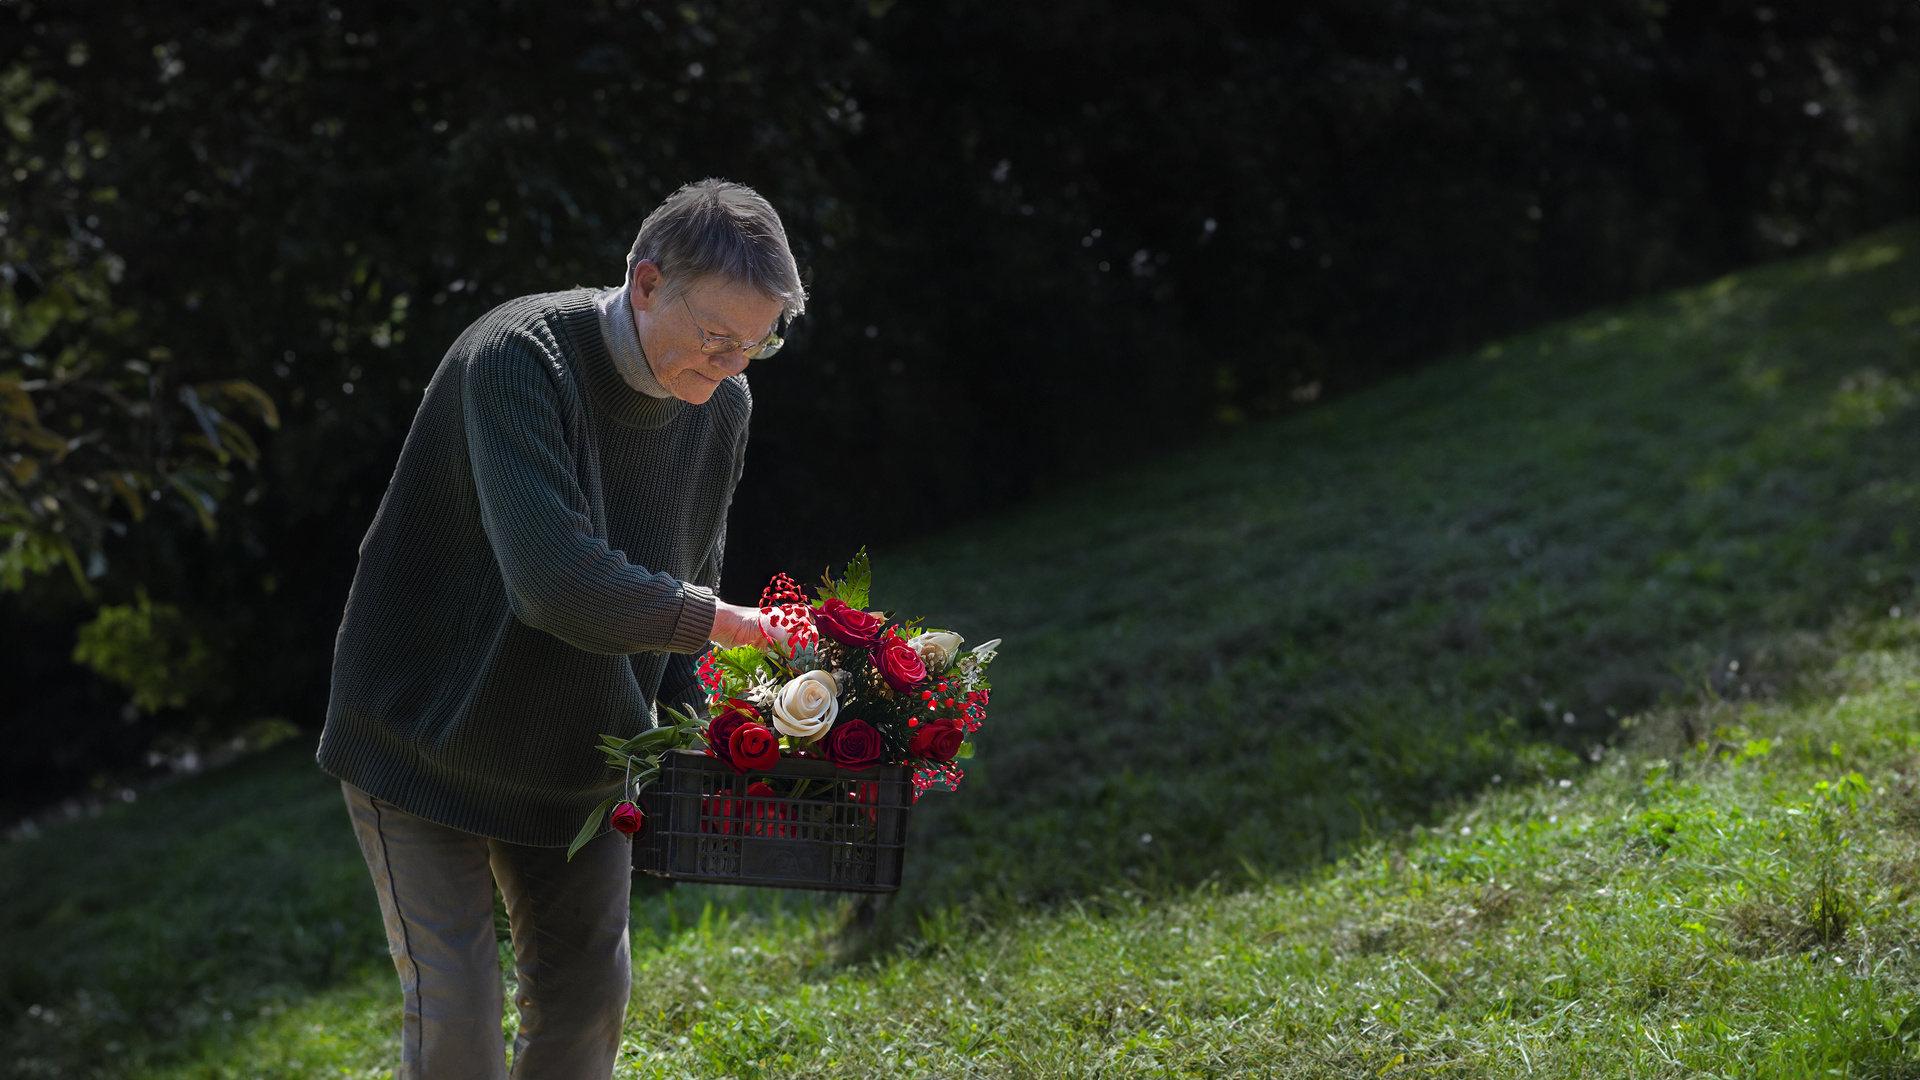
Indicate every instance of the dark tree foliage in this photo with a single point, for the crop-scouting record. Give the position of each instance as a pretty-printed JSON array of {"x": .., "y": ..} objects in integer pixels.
[{"x": 1042, "y": 238}]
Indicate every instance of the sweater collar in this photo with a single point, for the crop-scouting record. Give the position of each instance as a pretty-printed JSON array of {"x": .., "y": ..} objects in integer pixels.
[
  {"x": 623, "y": 341},
  {"x": 620, "y": 378}
]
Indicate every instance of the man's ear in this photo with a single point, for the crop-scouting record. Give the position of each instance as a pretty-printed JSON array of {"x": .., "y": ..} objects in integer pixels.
[{"x": 645, "y": 282}]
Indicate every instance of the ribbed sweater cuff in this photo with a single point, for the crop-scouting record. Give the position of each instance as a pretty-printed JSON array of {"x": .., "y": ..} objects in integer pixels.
[{"x": 695, "y": 625}]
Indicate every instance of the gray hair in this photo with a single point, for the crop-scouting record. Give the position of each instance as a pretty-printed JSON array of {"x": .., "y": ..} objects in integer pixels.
[{"x": 719, "y": 228}]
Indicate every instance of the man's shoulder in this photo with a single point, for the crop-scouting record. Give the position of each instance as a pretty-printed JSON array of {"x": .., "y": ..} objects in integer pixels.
[
  {"x": 731, "y": 403},
  {"x": 540, "y": 314},
  {"x": 735, "y": 389},
  {"x": 533, "y": 330}
]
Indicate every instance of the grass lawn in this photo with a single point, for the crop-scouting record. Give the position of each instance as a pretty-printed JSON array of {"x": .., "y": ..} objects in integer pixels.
[{"x": 1472, "y": 725}]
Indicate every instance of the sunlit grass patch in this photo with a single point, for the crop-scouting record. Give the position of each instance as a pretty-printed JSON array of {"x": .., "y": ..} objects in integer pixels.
[{"x": 1655, "y": 916}]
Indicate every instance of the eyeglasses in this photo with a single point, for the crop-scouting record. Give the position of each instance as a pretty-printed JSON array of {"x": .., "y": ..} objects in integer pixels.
[{"x": 714, "y": 344}]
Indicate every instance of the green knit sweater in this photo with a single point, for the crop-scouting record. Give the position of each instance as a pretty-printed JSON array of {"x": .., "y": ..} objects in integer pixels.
[{"x": 549, "y": 537}]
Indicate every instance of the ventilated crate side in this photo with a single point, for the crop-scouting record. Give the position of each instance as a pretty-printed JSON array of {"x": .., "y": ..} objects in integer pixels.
[{"x": 703, "y": 827}]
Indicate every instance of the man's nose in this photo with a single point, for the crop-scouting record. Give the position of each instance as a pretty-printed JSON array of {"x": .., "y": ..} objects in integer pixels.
[{"x": 733, "y": 361}]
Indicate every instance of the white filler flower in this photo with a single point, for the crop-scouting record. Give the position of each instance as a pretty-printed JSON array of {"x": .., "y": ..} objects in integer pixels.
[
  {"x": 937, "y": 649},
  {"x": 805, "y": 708},
  {"x": 971, "y": 663}
]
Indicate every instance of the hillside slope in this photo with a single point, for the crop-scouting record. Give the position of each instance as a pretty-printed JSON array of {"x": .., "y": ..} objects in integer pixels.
[
  {"x": 1306, "y": 636},
  {"x": 1310, "y": 629}
]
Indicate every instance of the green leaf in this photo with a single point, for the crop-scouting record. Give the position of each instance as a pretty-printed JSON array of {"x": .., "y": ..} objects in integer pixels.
[
  {"x": 966, "y": 750},
  {"x": 247, "y": 395},
  {"x": 740, "y": 663},
  {"x": 681, "y": 719},
  {"x": 854, "y": 589},
  {"x": 207, "y": 419},
  {"x": 592, "y": 828},
  {"x": 202, "y": 503},
  {"x": 660, "y": 738}
]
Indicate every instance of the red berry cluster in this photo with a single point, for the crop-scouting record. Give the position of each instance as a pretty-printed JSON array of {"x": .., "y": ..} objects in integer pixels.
[
  {"x": 975, "y": 711},
  {"x": 780, "y": 592},
  {"x": 783, "y": 605},
  {"x": 944, "y": 775},
  {"x": 711, "y": 680},
  {"x": 966, "y": 713}
]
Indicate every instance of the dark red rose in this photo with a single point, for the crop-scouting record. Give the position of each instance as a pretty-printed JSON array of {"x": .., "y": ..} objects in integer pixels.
[
  {"x": 627, "y": 818},
  {"x": 867, "y": 795},
  {"x": 772, "y": 814},
  {"x": 847, "y": 625},
  {"x": 937, "y": 740},
  {"x": 752, "y": 747},
  {"x": 714, "y": 813},
  {"x": 720, "y": 734},
  {"x": 898, "y": 663},
  {"x": 853, "y": 744}
]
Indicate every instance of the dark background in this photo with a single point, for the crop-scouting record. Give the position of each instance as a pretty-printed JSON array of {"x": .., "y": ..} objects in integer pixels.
[{"x": 1043, "y": 240}]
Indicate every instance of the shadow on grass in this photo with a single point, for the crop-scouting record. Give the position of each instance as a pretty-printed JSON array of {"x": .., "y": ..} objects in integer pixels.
[
  {"x": 230, "y": 908},
  {"x": 164, "y": 926}
]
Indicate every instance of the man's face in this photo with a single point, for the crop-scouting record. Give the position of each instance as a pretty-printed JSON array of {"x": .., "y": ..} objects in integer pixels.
[{"x": 670, "y": 329}]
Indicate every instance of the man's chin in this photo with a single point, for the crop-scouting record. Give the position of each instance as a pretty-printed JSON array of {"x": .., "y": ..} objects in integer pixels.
[{"x": 693, "y": 389}]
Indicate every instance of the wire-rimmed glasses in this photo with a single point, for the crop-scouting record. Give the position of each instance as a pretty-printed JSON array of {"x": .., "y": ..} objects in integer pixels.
[{"x": 714, "y": 344}]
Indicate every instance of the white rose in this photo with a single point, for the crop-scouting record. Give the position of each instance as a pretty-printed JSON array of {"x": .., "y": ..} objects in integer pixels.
[
  {"x": 805, "y": 707},
  {"x": 936, "y": 649}
]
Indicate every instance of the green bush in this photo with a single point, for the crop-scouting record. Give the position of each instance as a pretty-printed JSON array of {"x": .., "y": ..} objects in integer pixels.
[{"x": 154, "y": 651}]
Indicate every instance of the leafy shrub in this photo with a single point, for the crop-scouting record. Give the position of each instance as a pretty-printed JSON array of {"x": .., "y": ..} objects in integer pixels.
[{"x": 154, "y": 651}]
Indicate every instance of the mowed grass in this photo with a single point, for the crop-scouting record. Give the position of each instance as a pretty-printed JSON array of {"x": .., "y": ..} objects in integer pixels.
[
  {"x": 1249, "y": 699},
  {"x": 1743, "y": 908}
]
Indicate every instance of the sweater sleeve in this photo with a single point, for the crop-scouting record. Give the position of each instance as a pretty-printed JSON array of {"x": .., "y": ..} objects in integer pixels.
[{"x": 560, "y": 577}]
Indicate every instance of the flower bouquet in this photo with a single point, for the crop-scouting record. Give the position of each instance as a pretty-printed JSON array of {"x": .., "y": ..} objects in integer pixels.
[{"x": 839, "y": 718}]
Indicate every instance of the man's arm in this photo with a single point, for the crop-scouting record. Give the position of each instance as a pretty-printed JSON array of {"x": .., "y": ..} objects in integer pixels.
[{"x": 559, "y": 577}]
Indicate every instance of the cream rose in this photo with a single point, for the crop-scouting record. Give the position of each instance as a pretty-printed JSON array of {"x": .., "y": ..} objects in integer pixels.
[
  {"x": 937, "y": 649},
  {"x": 805, "y": 708}
]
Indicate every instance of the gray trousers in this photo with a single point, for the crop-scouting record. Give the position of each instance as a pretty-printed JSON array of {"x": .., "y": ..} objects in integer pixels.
[{"x": 569, "y": 922}]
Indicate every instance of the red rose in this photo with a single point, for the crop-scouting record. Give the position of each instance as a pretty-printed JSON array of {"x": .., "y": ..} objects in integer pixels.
[
  {"x": 772, "y": 813},
  {"x": 627, "y": 818},
  {"x": 853, "y": 744},
  {"x": 867, "y": 795},
  {"x": 898, "y": 663},
  {"x": 713, "y": 815},
  {"x": 720, "y": 733},
  {"x": 938, "y": 740},
  {"x": 847, "y": 625},
  {"x": 752, "y": 747}
]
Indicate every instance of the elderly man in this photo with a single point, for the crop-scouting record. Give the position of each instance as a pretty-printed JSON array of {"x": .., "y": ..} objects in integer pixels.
[{"x": 541, "y": 570}]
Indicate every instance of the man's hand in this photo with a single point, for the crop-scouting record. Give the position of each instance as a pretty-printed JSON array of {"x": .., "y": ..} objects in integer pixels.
[{"x": 734, "y": 625}]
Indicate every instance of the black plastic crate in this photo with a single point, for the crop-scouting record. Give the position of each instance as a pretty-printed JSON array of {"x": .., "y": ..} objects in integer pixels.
[{"x": 845, "y": 831}]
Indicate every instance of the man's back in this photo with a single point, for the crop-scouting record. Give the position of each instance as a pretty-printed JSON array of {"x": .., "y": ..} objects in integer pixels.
[{"x": 547, "y": 534}]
